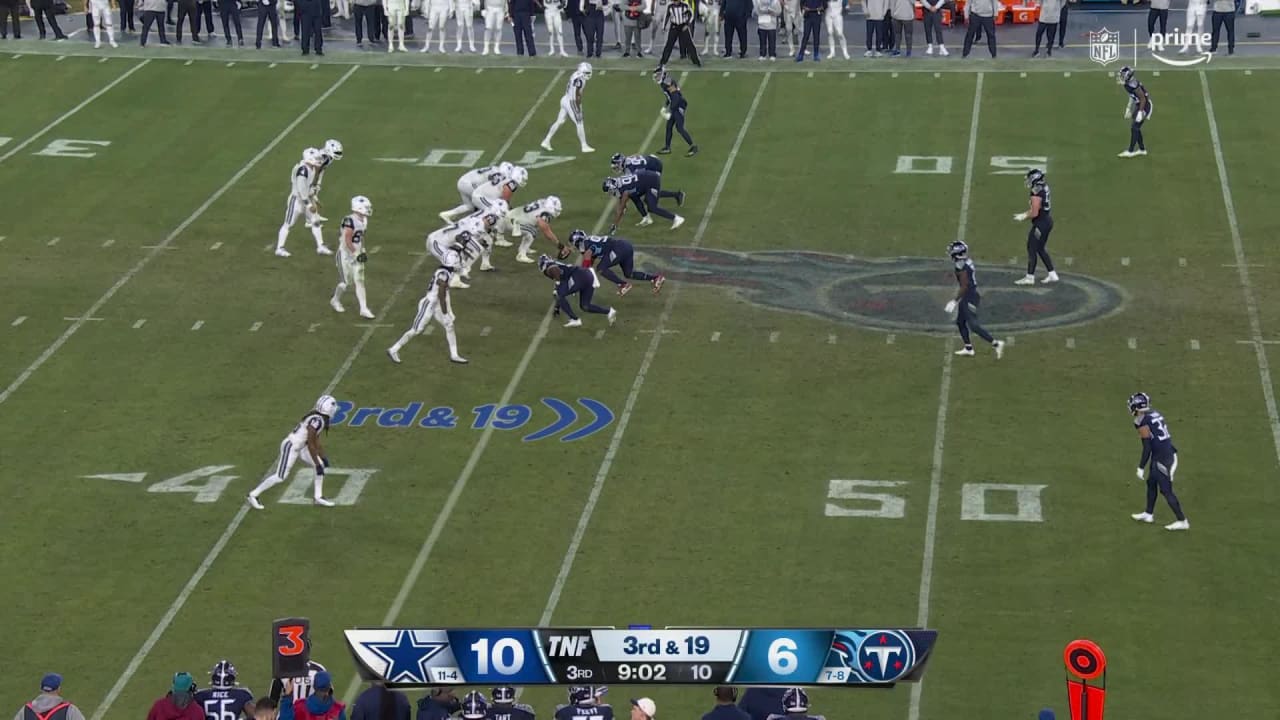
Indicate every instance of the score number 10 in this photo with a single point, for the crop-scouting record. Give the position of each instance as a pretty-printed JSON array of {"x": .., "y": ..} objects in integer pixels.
[{"x": 506, "y": 656}]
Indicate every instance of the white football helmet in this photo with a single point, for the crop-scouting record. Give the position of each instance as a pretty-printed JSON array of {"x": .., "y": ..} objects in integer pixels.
[
  {"x": 333, "y": 148},
  {"x": 519, "y": 176},
  {"x": 552, "y": 204},
  {"x": 312, "y": 156},
  {"x": 360, "y": 204},
  {"x": 585, "y": 69},
  {"x": 498, "y": 207},
  {"x": 506, "y": 168},
  {"x": 326, "y": 405}
]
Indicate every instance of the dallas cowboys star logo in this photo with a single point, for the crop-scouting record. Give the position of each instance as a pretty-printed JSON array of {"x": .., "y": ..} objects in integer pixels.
[{"x": 406, "y": 657}]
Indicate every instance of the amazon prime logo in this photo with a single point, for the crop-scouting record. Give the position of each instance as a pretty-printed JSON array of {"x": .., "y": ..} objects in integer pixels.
[{"x": 896, "y": 295}]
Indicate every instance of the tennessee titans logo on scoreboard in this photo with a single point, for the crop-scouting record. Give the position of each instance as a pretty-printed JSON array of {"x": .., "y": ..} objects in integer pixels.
[
  {"x": 885, "y": 655},
  {"x": 844, "y": 650},
  {"x": 406, "y": 656}
]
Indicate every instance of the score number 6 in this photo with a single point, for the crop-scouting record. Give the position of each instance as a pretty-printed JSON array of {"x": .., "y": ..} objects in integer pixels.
[{"x": 782, "y": 656}]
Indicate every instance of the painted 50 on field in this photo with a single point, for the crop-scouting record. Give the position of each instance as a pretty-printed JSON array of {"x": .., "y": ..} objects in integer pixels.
[{"x": 585, "y": 416}]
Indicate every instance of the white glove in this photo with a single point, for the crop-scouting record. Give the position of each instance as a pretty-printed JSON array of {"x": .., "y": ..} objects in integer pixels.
[
  {"x": 595, "y": 279},
  {"x": 1020, "y": 217},
  {"x": 951, "y": 306},
  {"x": 665, "y": 113},
  {"x": 1128, "y": 111},
  {"x": 1141, "y": 115},
  {"x": 1141, "y": 475}
]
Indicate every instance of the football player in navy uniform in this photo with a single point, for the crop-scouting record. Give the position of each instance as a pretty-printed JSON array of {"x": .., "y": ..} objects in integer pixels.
[
  {"x": 1158, "y": 449},
  {"x": 1138, "y": 109},
  {"x": 584, "y": 704},
  {"x": 795, "y": 706},
  {"x": 966, "y": 300},
  {"x": 644, "y": 189},
  {"x": 1041, "y": 225},
  {"x": 505, "y": 707},
  {"x": 225, "y": 699},
  {"x": 474, "y": 706},
  {"x": 571, "y": 281},
  {"x": 623, "y": 164},
  {"x": 607, "y": 252},
  {"x": 439, "y": 704},
  {"x": 674, "y": 111}
]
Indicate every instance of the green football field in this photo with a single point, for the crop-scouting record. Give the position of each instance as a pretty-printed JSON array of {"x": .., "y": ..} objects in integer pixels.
[{"x": 781, "y": 438}]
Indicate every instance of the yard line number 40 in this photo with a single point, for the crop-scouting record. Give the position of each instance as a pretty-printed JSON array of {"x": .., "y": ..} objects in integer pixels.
[
  {"x": 943, "y": 164},
  {"x": 867, "y": 499}
]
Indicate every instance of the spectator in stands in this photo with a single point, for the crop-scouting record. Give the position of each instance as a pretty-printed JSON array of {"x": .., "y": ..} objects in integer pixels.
[
  {"x": 631, "y": 28},
  {"x": 311, "y": 20},
  {"x": 320, "y": 705},
  {"x": 153, "y": 14},
  {"x": 736, "y": 13},
  {"x": 179, "y": 703},
  {"x": 268, "y": 12},
  {"x": 42, "y": 10},
  {"x": 381, "y": 703},
  {"x": 767, "y": 14},
  {"x": 980, "y": 16},
  {"x": 9, "y": 8},
  {"x": 873, "y": 10},
  {"x": 643, "y": 709},
  {"x": 1224, "y": 13},
  {"x": 1159, "y": 12},
  {"x": 439, "y": 704},
  {"x": 904, "y": 19},
  {"x": 1050, "y": 11},
  {"x": 49, "y": 705},
  {"x": 725, "y": 708},
  {"x": 229, "y": 10},
  {"x": 933, "y": 26}
]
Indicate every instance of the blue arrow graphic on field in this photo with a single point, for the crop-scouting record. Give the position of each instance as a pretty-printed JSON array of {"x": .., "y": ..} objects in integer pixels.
[
  {"x": 566, "y": 416},
  {"x": 604, "y": 416}
]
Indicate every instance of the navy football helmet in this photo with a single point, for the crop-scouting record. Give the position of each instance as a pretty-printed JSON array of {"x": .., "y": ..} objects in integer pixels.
[
  {"x": 1035, "y": 177},
  {"x": 1139, "y": 402},
  {"x": 504, "y": 695},
  {"x": 958, "y": 250},
  {"x": 582, "y": 695},
  {"x": 616, "y": 161},
  {"x": 474, "y": 706},
  {"x": 610, "y": 185},
  {"x": 578, "y": 239},
  {"x": 223, "y": 675},
  {"x": 1125, "y": 73},
  {"x": 544, "y": 263},
  {"x": 795, "y": 700}
]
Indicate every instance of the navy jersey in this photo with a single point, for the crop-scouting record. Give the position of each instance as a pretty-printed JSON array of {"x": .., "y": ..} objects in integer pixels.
[
  {"x": 965, "y": 269},
  {"x": 630, "y": 185},
  {"x": 1041, "y": 190},
  {"x": 1132, "y": 86},
  {"x": 572, "y": 280},
  {"x": 518, "y": 711},
  {"x": 675, "y": 98},
  {"x": 632, "y": 163},
  {"x": 584, "y": 712},
  {"x": 1161, "y": 438},
  {"x": 223, "y": 704},
  {"x": 598, "y": 245}
]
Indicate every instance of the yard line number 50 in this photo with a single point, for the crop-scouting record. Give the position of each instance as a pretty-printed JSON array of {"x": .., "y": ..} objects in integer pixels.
[
  {"x": 984, "y": 502},
  {"x": 943, "y": 164}
]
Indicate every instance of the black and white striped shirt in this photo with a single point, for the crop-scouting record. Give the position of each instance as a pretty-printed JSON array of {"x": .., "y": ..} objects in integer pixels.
[{"x": 679, "y": 13}]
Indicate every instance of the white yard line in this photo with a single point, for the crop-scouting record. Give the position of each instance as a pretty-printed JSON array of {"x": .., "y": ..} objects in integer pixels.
[
  {"x": 624, "y": 418},
  {"x": 944, "y": 401},
  {"x": 146, "y": 259},
  {"x": 451, "y": 502},
  {"x": 43, "y": 131},
  {"x": 1242, "y": 268},
  {"x": 181, "y": 600}
]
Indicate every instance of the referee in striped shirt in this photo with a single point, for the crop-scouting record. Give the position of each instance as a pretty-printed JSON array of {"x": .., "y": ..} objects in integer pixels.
[{"x": 679, "y": 24}]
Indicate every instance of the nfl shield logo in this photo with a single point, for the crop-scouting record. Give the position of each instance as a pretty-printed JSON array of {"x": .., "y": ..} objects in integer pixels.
[{"x": 1104, "y": 46}]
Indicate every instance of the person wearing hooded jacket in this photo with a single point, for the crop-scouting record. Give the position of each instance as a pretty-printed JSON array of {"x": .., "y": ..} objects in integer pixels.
[
  {"x": 49, "y": 704},
  {"x": 320, "y": 705},
  {"x": 179, "y": 703}
]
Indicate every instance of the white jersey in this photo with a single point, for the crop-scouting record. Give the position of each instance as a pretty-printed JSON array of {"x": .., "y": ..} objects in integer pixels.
[
  {"x": 577, "y": 83},
  {"x": 318, "y": 174},
  {"x": 301, "y": 180},
  {"x": 358, "y": 226},
  {"x": 309, "y": 422},
  {"x": 492, "y": 5},
  {"x": 491, "y": 189},
  {"x": 474, "y": 178},
  {"x": 526, "y": 218}
]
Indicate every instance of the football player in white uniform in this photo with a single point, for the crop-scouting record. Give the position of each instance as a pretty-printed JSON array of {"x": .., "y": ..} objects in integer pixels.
[
  {"x": 301, "y": 202},
  {"x": 305, "y": 436},
  {"x": 485, "y": 227},
  {"x": 494, "y": 12},
  {"x": 499, "y": 188},
  {"x": 351, "y": 256},
  {"x": 435, "y": 305},
  {"x": 658, "y": 26},
  {"x": 571, "y": 108},
  {"x": 711, "y": 22},
  {"x": 473, "y": 179},
  {"x": 329, "y": 154},
  {"x": 100, "y": 18},
  {"x": 397, "y": 11},
  {"x": 464, "y": 12},
  {"x": 794, "y": 17},
  {"x": 835, "y": 28},
  {"x": 529, "y": 219},
  {"x": 437, "y": 15},
  {"x": 554, "y": 14}
]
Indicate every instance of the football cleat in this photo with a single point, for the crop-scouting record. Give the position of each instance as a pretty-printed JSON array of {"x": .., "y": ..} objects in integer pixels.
[
  {"x": 321, "y": 502},
  {"x": 1052, "y": 277},
  {"x": 1127, "y": 154},
  {"x": 523, "y": 258},
  {"x": 998, "y": 346},
  {"x": 576, "y": 322},
  {"x": 337, "y": 306},
  {"x": 395, "y": 356},
  {"x": 254, "y": 503},
  {"x": 657, "y": 283},
  {"x": 624, "y": 288},
  {"x": 366, "y": 313},
  {"x": 281, "y": 252},
  {"x": 965, "y": 351},
  {"x": 645, "y": 221},
  {"x": 1178, "y": 525},
  {"x": 677, "y": 222},
  {"x": 1143, "y": 517},
  {"x": 613, "y": 316},
  {"x": 322, "y": 250},
  {"x": 1026, "y": 280}
]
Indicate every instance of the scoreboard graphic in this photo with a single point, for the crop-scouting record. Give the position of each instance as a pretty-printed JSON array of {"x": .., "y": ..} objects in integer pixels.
[{"x": 423, "y": 657}]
